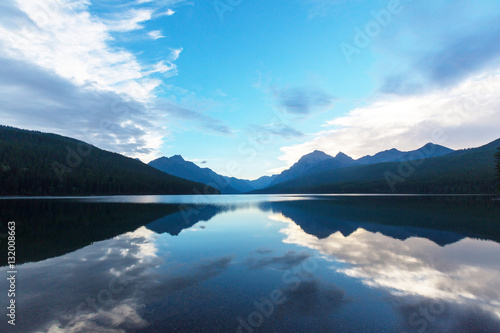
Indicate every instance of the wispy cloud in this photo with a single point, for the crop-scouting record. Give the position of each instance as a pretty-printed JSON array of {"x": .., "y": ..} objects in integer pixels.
[
  {"x": 277, "y": 129},
  {"x": 202, "y": 120},
  {"x": 168, "y": 12},
  {"x": 450, "y": 63},
  {"x": 60, "y": 72},
  {"x": 302, "y": 101},
  {"x": 134, "y": 18},
  {"x": 74, "y": 45},
  {"x": 163, "y": 67},
  {"x": 466, "y": 115},
  {"x": 155, "y": 34},
  {"x": 130, "y": 20},
  {"x": 452, "y": 43},
  {"x": 175, "y": 53},
  {"x": 33, "y": 97}
]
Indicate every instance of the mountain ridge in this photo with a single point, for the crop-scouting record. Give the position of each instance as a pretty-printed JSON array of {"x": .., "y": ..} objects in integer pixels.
[
  {"x": 34, "y": 163},
  {"x": 176, "y": 165},
  {"x": 313, "y": 162},
  {"x": 341, "y": 160},
  {"x": 31, "y": 162},
  {"x": 428, "y": 150},
  {"x": 465, "y": 171}
]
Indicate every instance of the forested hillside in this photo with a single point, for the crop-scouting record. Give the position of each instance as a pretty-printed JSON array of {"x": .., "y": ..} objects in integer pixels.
[
  {"x": 38, "y": 164},
  {"x": 497, "y": 159},
  {"x": 467, "y": 171}
]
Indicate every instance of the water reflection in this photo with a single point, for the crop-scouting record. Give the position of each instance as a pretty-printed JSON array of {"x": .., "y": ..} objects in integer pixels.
[
  {"x": 94, "y": 289},
  {"x": 50, "y": 228},
  {"x": 443, "y": 220},
  {"x": 465, "y": 272},
  {"x": 414, "y": 264},
  {"x": 340, "y": 264},
  {"x": 106, "y": 286}
]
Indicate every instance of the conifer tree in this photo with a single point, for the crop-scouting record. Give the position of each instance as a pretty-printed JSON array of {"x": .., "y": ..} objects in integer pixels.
[{"x": 497, "y": 158}]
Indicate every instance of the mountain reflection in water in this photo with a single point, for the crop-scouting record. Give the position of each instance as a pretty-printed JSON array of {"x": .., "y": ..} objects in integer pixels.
[{"x": 341, "y": 263}]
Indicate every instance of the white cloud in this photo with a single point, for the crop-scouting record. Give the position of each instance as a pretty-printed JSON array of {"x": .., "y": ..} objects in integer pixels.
[
  {"x": 175, "y": 53},
  {"x": 61, "y": 74},
  {"x": 155, "y": 34},
  {"x": 169, "y": 12},
  {"x": 466, "y": 115},
  {"x": 35, "y": 98},
  {"x": 166, "y": 67},
  {"x": 162, "y": 67},
  {"x": 130, "y": 21},
  {"x": 74, "y": 44}
]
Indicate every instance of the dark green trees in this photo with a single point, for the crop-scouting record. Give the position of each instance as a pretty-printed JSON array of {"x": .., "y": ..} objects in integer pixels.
[
  {"x": 497, "y": 159},
  {"x": 40, "y": 164}
]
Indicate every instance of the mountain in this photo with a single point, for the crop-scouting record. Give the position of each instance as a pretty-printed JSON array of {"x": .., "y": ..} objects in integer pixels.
[
  {"x": 311, "y": 163},
  {"x": 177, "y": 166},
  {"x": 308, "y": 162},
  {"x": 262, "y": 182},
  {"x": 37, "y": 164},
  {"x": 319, "y": 161},
  {"x": 463, "y": 171},
  {"x": 343, "y": 158},
  {"x": 427, "y": 151}
]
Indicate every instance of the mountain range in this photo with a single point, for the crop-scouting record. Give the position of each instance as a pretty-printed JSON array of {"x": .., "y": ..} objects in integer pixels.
[
  {"x": 312, "y": 163},
  {"x": 177, "y": 166},
  {"x": 318, "y": 161},
  {"x": 438, "y": 170},
  {"x": 38, "y": 164},
  {"x": 430, "y": 169}
]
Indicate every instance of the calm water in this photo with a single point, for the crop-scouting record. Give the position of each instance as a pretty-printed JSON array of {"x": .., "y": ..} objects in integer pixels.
[{"x": 255, "y": 264}]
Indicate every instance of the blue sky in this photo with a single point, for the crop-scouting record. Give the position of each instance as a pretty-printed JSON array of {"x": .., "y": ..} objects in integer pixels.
[{"x": 248, "y": 87}]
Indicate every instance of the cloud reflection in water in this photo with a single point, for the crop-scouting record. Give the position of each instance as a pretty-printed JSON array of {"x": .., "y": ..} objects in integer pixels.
[
  {"x": 104, "y": 287},
  {"x": 463, "y": 273}
]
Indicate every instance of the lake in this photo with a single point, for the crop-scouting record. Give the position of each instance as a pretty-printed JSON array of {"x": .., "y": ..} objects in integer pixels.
[{"x": 252, "y": 263}]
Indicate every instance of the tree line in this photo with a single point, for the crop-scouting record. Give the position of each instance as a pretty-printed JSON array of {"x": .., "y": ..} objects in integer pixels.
[
  {"x": 40, "y": 164},
  {"x": 497, "y": 159}
]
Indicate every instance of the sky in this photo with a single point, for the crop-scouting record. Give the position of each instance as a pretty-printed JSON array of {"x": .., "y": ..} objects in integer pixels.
[{"x": 248, "y": 87}]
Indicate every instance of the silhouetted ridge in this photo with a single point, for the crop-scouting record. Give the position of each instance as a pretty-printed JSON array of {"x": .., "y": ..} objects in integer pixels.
[
  {"x": 177, "y": 166},
  {"x": 430, "y": 169},
  {"x": 37, "y": 164}
]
